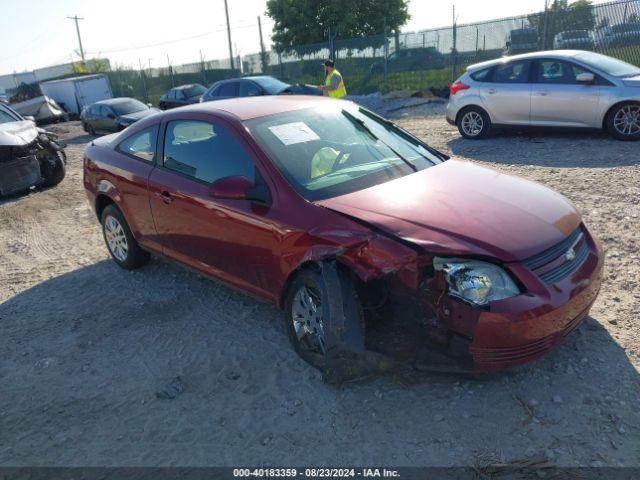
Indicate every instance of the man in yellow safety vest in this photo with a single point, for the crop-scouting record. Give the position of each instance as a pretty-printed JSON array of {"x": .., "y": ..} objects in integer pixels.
[{"x": 333, "y": 82}]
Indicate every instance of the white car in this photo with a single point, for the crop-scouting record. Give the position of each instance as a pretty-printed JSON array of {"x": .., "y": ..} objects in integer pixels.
[{"x": 561, "y": 88}]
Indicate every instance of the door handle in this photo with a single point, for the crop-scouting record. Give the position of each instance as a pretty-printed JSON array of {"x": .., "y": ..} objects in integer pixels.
[
  {"x": 492, "y": 91},
  {"x": 543, "y": 93},
  {"x": 164, "y": 196}
]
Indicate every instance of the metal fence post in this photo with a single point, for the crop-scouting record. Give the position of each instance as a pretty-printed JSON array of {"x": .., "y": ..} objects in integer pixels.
[
  {"x": 144, "y": 82},
  {"x": 386, "y": 56},
  {"x": 454, "y": 49}
]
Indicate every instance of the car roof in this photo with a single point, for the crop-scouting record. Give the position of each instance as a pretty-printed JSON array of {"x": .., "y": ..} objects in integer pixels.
[
  {"x": 113, "y": 101},
  {"x": 246, "y": 108},
  {"x": 184, "y": 87},
  {"x": 545, "y": 54}
]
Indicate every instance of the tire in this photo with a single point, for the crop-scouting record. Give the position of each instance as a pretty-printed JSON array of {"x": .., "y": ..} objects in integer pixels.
[
  {"x": 623, "y": 121},
  {"x": 84, "y": 127},
  {"x": 54, "y": 175},
  {"x": 310, "y": 283},
  {"x": 123, "y": 248},
  {"x": 91, "y": 130},
  {"x": 473, "y": 123}
]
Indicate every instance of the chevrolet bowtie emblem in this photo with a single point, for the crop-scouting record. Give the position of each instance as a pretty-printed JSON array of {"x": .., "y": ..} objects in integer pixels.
[{"x": 570, "y": 255}]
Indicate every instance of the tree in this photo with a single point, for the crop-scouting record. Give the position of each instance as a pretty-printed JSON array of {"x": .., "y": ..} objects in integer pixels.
[
  {"x": 299, "y": 23},
  {"x": 562, "y": 16}
]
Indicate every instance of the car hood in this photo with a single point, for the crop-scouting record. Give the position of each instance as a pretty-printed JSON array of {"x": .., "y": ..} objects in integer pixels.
[
  {"x": 133, "y": 117},
  {"x": 632, "y": 81},
  {"x": 14, "y": 134},
  {"x": 460, "y": 208}
]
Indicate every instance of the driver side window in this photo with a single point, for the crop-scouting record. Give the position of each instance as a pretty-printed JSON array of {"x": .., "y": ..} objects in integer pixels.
[
  {"x": 205, "y": 151},
  {"x": 558, "y": 72}
]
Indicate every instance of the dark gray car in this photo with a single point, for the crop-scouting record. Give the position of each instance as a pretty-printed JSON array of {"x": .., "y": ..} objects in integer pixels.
[
  {"x": 255, "y": 86},
  {"x": 182, "y": 95},
  {"x": 114, "y": 114}
]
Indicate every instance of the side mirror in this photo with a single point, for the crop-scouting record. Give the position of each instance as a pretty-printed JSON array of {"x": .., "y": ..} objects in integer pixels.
[
  {"x": 149, "y": 105},
  {"x": 585, "y": 78},
  {"x": 239, "y": 188},
  {"x": 233, "y": 188},
  {"x": 31, "y": 118},
  {"x": 508, "y": 44}
]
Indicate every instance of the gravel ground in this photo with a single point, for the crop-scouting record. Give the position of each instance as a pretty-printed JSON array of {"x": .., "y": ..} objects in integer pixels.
[{"x": 87, "y": 349}]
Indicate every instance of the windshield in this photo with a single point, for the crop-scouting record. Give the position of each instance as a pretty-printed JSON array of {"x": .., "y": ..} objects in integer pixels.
[
  {"x": 524, "y": 36},
  {"x": 626, "y": 27},
  {"x": 337, "y": 149},
  {"x": 7, "y": 116},
  {"x": 194, "y": 90},
  {"x": 271, "y": 85},
  {"x": 612, "y": 66},
  {"x": 128, "y": 106}
]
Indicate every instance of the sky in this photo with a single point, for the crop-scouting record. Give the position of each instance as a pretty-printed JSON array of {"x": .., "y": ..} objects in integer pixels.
[{"x": 37, "y": 33}]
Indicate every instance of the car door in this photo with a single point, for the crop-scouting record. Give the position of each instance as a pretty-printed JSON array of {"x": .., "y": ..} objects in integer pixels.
[
  {"x": 107, "y": 120},
  {"x": 137, "y": 156},
  {"x": 506, "y": 94},
  {"x": 224, "y": 238},
  {"x": 181, "y": 99},
  {"x": 558, "y": 99}
]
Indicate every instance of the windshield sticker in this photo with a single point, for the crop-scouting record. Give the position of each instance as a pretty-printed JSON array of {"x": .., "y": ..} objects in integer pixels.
[{"x": 292, "y": 133}]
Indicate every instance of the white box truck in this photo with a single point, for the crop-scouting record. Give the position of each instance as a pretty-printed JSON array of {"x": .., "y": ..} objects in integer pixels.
[{"x": 75, "y": 93}]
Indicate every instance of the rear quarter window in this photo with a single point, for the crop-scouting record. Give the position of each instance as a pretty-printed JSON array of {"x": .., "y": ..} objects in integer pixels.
[{"x": 481, "y": 75}]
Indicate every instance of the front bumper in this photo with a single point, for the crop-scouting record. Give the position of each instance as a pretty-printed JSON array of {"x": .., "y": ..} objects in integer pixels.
[{"x": 526, "y": 328}]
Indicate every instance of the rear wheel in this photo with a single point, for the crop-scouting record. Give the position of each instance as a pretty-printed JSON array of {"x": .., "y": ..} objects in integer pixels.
[
  {"x": 123, "y": 248},
  {"x": 623, "y": 122},
  {"x": 474, "y": 123}
]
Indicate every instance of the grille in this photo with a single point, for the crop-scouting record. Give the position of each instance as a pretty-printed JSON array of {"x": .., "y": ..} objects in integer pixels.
[
  {"x": 566, "y": 268},
  {"x": 552, "y": 253}
]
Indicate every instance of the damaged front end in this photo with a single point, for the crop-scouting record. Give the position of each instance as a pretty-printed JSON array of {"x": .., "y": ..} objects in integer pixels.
[
  {"x": 29, "y": 157},
  {"x": 411, "y": 321}
]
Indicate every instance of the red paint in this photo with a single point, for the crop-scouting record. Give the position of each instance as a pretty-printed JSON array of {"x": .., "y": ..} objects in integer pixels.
[{"x": 391, "y": 230}]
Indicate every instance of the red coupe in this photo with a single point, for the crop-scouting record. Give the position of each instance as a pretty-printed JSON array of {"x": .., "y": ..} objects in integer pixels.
[{"x": 367, "y": 238}]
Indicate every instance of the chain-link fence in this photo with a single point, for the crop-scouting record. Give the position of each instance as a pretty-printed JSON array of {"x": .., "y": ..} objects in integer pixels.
[{"x": 428, "y": 59}]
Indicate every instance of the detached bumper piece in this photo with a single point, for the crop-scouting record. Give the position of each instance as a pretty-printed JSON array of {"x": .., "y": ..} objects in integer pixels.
[{"x": 19, "y": 174}]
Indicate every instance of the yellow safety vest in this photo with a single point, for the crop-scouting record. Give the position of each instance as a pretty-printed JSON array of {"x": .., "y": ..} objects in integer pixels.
[{"x": 341, "y": 91}]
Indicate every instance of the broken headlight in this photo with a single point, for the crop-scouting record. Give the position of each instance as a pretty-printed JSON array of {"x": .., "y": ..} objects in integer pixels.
[{"x": 475, "y": 281}]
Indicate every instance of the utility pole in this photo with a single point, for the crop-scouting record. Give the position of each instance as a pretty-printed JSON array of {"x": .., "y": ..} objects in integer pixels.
[
  {"x": 226, "y": 12},
  {"x": 75, "y": 18},
  {"x": 263, "y": 55}
]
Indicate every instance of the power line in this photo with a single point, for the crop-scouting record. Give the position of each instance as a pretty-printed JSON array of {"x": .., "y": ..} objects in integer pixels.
[{"x": 167, "y": 42}]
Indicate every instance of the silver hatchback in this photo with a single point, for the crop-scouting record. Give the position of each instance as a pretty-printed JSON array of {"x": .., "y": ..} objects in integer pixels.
[{"x": 561, "y": 88}]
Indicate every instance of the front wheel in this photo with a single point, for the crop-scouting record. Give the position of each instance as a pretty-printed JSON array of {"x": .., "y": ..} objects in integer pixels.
[
  {"x": 623, "y": 123},
  {"x": 55, "y": 173},
  {"x": 308, "y": 314},
  {"x": 123, "y": 248},
  {"x": 474, "y": 123}
]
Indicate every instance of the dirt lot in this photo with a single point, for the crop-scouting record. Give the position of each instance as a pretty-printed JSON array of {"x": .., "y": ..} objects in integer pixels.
[{"x": 85, "y": 347}]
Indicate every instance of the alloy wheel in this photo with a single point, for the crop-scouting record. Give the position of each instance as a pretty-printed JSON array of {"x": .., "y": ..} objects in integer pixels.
[
  {"x": 627, "y": 120},
  {"x": 472, "y": 124},
  {"x": 116, "y": 238},
  {"x": 307, "y": 319}
]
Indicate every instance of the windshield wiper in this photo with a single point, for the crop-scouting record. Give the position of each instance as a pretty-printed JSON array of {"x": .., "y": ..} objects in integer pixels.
[{"x": 359, "y": 123}]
